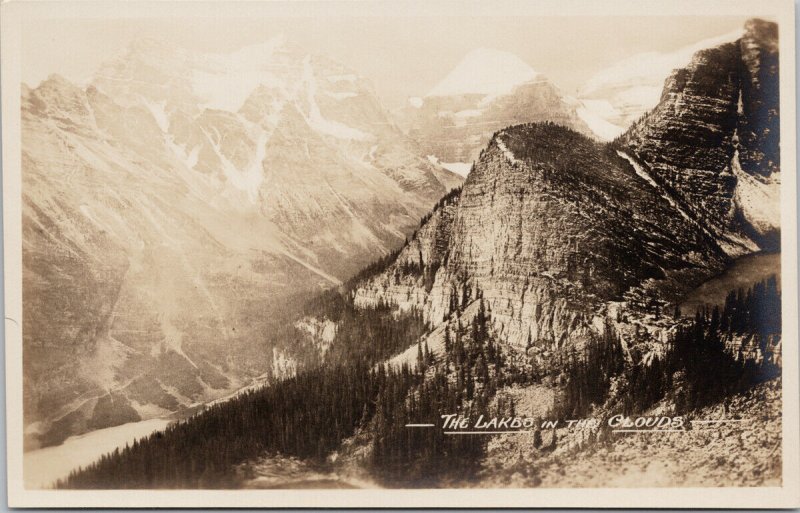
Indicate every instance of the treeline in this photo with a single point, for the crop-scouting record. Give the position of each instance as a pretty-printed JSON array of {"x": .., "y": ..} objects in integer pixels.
[
  {"x": 448, "y": 199},
  {"x": 368, "y": 334},
  {"x": 422, "y": 457},
  {"x": 306, "y": 416},
  {"x": 380, "y": 265},
  {"x": 756, "y": 310},
  {"x": 311, "y": 414},
  {"x": 589, "y": 374},
  {"x": 698, "y": 368},
  {"x": 462, "y": 380}
]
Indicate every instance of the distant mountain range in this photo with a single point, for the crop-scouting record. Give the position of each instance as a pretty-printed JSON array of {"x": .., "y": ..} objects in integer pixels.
[{"x": 491, "y": 89}]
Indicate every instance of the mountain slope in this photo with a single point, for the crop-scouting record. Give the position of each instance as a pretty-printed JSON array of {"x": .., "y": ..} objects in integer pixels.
[
  {"x": 617, "y": 96},
  {"x": 713, "y": 140},
  {"x": 539, "y": 288},
  {"x": 548, "y": 227},
  {"x": 554, "y": 229},
  {"x": 165, "y": 237}
]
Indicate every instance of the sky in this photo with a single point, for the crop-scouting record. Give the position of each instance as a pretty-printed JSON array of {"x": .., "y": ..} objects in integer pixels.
[{"x": 402, "y": 56}]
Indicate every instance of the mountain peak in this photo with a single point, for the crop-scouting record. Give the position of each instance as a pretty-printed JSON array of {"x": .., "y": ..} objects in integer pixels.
[
  {"x": 485, "y": 71},
  {"x": 59, "y": 89},
  {"x": 762, "y": 31},
  {"x": 56, "y": 81}
]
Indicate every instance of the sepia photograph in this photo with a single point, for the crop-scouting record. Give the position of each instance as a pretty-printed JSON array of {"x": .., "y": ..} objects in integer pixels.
[{"x": 342, "y": 253}]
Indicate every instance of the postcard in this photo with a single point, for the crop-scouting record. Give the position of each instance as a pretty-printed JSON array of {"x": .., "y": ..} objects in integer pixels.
[{"x": 418, "y": 254}]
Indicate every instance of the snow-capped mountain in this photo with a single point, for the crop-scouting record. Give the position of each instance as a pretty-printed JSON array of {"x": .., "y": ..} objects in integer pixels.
[
  {"x": 176, "y": 207},
  {"x": 615, "y": 97},
  {"x": 488, "y": 90},
  {"x": 486, "y": 72}
]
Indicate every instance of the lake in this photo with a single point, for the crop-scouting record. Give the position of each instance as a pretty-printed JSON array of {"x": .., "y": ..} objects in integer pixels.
[
  {"x": 744, "y": 272},
  {"x": 42, "y": 467}
]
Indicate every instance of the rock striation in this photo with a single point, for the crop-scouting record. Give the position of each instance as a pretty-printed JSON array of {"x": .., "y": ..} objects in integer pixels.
[
  {"x": 555, "y": 231},
  {"x": 713, "y": 139},
  {"x": 549, "y": 226}
]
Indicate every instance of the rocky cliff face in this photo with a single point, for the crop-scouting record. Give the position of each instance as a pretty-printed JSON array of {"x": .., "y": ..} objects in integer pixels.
[
  {"x": 555, "y": 231},
  {"x": 713, "y": 140},
  {"x": 548, "y": 228},
  {"x": 617, "y": 96},
  {"x": 176, "y": 209}
]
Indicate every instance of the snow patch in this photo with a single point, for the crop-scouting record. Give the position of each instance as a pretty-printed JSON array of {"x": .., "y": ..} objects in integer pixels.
[
  {"x": 189, "y": 159},
  {"x": 249, "y": 179},
  {"x": 459, "y": 168},
  {"x": 226, "y": 81},
  {"x": 159, "y": 113},
  {"x": 597, "y": 123},
  {"x": 650, "y": 67},
  {"x": 508, "y": 154},
  {"x": 315, "y": 118},
  {"x": 649, "y": 179},
  {"x": 759, "y": 200}
]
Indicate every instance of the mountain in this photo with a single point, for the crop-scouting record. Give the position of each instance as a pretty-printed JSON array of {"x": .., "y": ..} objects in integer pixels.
[
  {"x": 615, "y": 97},
  {"x": 725, "y": 104},
  {"x": 547, "y": 287},
  {"x": 488, "y": 90},
  {"x": 549, "y": 228},
  {"x": 486, "y": 72},
  {"x": 181, "y": 205},
  {"x": 556, "y": 233}
]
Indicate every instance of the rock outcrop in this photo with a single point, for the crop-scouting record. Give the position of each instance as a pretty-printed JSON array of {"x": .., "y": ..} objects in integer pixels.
[
  {"x": 549, "y": 226},
  {"x": 554, "y": 231}
]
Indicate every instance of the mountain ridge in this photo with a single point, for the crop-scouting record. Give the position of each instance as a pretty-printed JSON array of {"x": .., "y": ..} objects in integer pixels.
[{"x": 662, "y": 240}]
